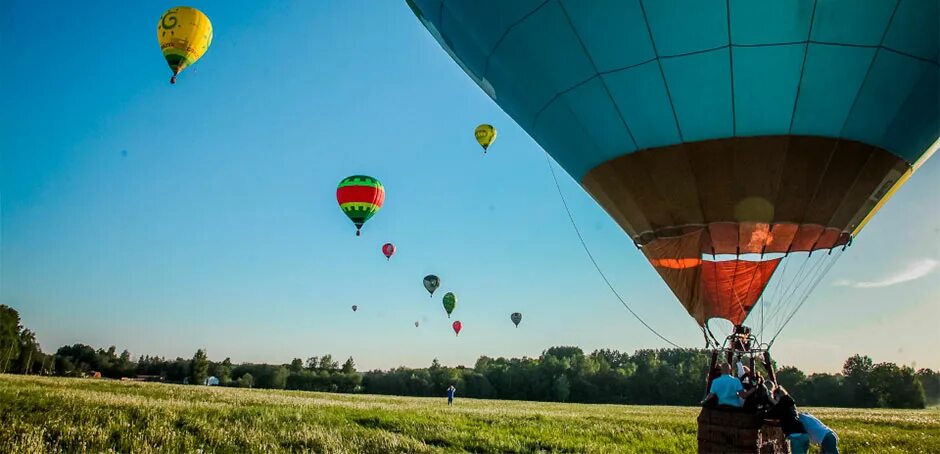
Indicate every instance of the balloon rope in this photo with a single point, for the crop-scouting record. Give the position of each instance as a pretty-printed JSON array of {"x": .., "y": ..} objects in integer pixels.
[
  {"x": 805, "y": 296},
  {"x": 797, "y": 287},
  {"x": 768, "y": 295},
  {"x": 591, "y": 256},
  {"x": 789, "y": 287}
]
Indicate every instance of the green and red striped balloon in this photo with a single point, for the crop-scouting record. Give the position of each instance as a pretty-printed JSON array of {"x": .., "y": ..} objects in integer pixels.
[{"x": 360, "y": 197}]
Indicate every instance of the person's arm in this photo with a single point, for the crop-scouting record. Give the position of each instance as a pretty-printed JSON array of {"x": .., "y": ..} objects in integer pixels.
[
  {"x": 743, "y": 394},
  {"x": 707, "y": 398}
]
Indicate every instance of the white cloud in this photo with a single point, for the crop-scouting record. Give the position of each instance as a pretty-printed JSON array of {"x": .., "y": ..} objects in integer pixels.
[{"x": 915, "y": 270}]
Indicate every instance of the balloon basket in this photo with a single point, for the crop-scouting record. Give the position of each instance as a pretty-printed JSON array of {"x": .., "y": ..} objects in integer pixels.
[
  {"x": 735, "y": 430},
  {"x": 739, "y": 430}
]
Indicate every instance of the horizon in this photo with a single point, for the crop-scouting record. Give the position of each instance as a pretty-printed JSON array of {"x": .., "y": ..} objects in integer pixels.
[
  {"x": 136, "y": 356},
  {"x": 162, "y": 219}
]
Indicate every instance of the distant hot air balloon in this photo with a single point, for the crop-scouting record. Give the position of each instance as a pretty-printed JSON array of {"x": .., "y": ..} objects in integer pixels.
[
  {"x": 184, "y": 34},
  {"x": 450, "y": 302},
  {"x": 388, "y": 249},
  {"x": 516, "y": 317},
  {"x": 485, "y": 135},
  {"x": 416, "y": 323},
  {"x": 432, "y": 282},
  {"x": 360, "y": 197},
  {"x": 354, "y": 307},
  {"x": 457, "y": 326}
]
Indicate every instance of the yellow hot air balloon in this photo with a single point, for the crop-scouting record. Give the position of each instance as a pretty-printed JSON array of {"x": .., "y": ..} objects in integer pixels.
[
  {"x": 485, "y": 135},
  {"x": 184, "y": 34}
]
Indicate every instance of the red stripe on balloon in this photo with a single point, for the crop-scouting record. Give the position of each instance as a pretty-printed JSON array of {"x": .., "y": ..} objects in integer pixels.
[{"x": 360, "y": 194}]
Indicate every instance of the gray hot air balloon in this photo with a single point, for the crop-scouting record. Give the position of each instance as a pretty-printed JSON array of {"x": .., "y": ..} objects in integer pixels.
[
  {"x": 516, "y": 317},
  {"x": 354, "y": 307},
  {"x": 432, "y": 282}
]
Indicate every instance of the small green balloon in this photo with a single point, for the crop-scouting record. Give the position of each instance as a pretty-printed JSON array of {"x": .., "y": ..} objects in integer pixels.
[{"x": 450, "y": 302}]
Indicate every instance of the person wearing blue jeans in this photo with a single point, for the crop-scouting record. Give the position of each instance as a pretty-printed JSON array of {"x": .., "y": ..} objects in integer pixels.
[
  {"x": 450, "y": 394},
  {"x": 820, "y": 434}
]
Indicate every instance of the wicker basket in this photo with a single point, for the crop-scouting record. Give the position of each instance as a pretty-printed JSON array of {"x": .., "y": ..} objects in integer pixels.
[{"x": 731, "y": 430}]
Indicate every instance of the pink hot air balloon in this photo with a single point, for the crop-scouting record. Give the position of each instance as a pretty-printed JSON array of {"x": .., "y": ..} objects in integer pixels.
[
  {"x": 457, "y": 326},
  {"x": 388, "y": 249}
]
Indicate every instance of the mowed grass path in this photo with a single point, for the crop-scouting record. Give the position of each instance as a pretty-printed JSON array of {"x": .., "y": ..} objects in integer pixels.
[{"x": 73, "y": 415}]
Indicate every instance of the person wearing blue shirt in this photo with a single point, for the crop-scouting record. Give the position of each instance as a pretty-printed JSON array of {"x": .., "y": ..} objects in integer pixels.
[
  {"x": 820, "y": 434},
  {"x": 450, "y": 394},
  {"x": 728, "y": 389}
]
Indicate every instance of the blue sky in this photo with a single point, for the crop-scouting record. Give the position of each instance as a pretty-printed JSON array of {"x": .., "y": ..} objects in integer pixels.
[{"x": 219, "y": 228}]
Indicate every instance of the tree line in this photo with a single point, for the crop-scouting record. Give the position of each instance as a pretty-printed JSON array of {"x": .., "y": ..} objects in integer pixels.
[{"x": 559, "y": 374}]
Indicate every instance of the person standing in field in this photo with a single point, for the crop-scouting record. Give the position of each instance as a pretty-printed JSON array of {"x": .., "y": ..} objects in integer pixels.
[
  {"x": 820, "y": 434},
  {"x": 450, "y": 394}
]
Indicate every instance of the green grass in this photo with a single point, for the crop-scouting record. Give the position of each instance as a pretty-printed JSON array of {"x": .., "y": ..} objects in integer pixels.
[{"x": 73, "y": 415}]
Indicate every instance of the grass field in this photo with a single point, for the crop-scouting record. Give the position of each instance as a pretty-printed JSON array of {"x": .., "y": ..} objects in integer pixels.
[{"x": 73, "y": 415}]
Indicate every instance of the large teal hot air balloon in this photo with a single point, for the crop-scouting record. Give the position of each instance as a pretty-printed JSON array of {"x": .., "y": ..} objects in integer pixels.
[{"x": 748, "y": 130}]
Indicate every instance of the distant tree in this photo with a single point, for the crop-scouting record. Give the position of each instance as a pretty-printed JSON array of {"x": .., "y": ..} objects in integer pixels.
[
  {"x": 855, "y": 372},
  {"x": 178, "y": 370},
  {"x": 571, "y": 353},
  {"x": 296, "y": 365},
  {"x": 224, "y": 372},
  {"x": 124, "y": 365},
  {"x": 613, "y": 358},
  {"x": 9, "y": 336},
  {"x": 278, "y": 378},
  {"x": 791, "y": 378},
  {"x": 199, "y": 368},
  {"x": 561, "y": 389},
  {"x": 30, "y": 355},
  {"x": 313, "y": 363},
  {"x": 823, "y": 390},
  {"x": 897, "y": 387},
  {"x": 246, "y": 381},
  {"x": 476, "y": 385},
  {"x": 930, "y": 381},
  {"x": 439, "y": 378},
  {"x": 327, "y": 364},
  {"x": 76, "y": 360},
  {"x": 349, "y": 367}
]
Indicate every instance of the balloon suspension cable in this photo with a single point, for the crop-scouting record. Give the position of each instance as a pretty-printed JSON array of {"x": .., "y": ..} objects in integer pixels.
[
  {"x": 797, "y": 287},
  {"x": 708, "y": 343},
  {"x": 709, "y": 331},
  {"x": 594, "y": 261},
  {"x": 805, "y": 296}
]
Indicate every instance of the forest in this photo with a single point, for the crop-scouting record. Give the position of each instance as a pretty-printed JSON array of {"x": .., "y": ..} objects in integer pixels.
[{"x": 559, "y": 374}]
